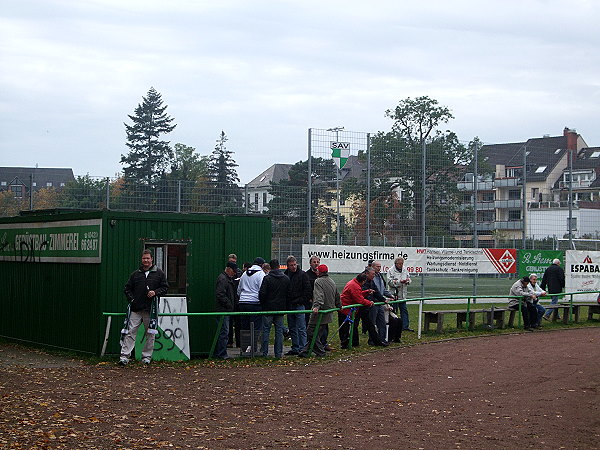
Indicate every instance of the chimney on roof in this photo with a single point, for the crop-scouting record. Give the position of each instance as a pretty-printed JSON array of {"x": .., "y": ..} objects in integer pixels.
[{"x": 571, "y": 135}]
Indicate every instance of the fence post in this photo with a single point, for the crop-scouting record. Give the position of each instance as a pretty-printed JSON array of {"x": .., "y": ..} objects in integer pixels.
[
  {"x": 107, "y": 193},
  {"x": 178, "y": 196},
  {"x": 315, "y": 333},
  {"x": 211, "y": 353}
]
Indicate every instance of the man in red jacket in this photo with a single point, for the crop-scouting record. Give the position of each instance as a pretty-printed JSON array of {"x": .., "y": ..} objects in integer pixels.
[{"x": 351, "y": 295}]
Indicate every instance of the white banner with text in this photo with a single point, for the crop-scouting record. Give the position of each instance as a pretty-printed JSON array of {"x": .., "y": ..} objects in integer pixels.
[{"x": 426, "y": 260}]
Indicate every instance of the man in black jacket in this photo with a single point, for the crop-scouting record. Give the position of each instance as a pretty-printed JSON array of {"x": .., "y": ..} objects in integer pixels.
[
  {"x": 300, "y": 295},
  {"x": 225, "y": 293},
  {"x": 143, "y": 285},
  {"x": 368, "y": 314},
  {"x": 274, "y": 296},
  {"x": 554, "y": 279}
]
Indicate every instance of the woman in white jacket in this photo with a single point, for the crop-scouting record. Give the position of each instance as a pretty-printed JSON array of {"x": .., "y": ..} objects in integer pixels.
[
  {"x": 398, "y": 280},
  {"x": 539, "y": 292}
]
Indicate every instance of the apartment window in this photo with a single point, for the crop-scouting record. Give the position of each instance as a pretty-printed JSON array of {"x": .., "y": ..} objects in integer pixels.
[
  {"x": 3, "y": 183},
  {"x": 256, "y": 201},
  {"x": 342, "y": 201},
  {"x": 171, "y": 258},
  {"x": 487, "y": 197},
  {"x": 264, "y": 199},
  {"x": 595, "y": 155},
  {"x": 62, "y": 184},
  {"x": 534, "y": 193},
  {"x": 467, "y": 198},
  {"x": 514, "y": 214},
  {"x": 486, "y": 216},
  {"x": 540, "y": 169},
  {"x": 34, "y": 184},
  {"x": 49, "y": 184},
  {"x": 514, "y": 194}
]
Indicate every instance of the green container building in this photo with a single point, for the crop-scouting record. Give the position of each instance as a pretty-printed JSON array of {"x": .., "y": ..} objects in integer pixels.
[{"x": 61, "y": 270}]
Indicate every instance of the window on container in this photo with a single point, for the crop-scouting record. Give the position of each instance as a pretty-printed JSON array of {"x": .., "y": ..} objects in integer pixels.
[{"x": 172, "y": 259}]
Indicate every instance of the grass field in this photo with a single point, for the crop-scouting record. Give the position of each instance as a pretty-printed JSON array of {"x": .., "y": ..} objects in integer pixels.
[{"x": 446, "y": 286}]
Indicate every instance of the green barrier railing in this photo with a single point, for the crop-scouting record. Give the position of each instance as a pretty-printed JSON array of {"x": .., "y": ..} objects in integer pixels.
[{"x": 352, "y": 309}]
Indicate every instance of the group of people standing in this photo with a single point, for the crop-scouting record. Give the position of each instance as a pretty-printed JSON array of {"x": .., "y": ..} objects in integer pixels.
[
  {"x": 256, "y": 289},
  {"x": 527, "y": 292}
]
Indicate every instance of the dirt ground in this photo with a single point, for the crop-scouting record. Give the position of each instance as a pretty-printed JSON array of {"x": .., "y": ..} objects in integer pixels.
[{"x": 534, "y": 390}]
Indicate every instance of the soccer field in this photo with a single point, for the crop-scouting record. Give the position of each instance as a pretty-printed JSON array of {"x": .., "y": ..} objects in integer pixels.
[{"x": 436, "y": 286}]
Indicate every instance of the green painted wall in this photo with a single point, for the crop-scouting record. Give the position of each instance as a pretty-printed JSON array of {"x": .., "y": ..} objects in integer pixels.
[{"x": 61, "y": 304}]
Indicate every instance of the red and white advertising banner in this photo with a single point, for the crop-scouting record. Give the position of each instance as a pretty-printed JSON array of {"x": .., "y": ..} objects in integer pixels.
[
  {"x": 582, "y": 273},
  {"x": 417, "y": 260}
]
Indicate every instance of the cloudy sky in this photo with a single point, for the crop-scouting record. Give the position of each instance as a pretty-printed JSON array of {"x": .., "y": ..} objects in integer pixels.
[{"x": 266, "y": 71}]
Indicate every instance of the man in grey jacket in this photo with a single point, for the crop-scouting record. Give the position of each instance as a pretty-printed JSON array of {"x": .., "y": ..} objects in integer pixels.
[
  {"x": 525, "y": 296},
  {"x": 325, "y": 296}
]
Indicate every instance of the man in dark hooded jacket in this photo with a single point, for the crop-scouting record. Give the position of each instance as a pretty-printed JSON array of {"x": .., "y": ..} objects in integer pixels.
[
  {"x": 274, "y": 296},
  {"x": 300, "y": 295}
]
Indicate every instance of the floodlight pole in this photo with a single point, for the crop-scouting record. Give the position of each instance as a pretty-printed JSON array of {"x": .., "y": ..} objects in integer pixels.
[
  {"x": 337, "y": 185},
  {"x": 570, "y": 156}
]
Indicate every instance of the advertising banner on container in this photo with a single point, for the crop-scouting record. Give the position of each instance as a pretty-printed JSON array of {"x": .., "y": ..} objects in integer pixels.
[
  {"x": 537, "y": 261},
  {"x": 68, "y": 241},
  {"x": 426, "y": 260},
  {"x": 173, "y": 339},
  {"x": 582, "y": 273}
]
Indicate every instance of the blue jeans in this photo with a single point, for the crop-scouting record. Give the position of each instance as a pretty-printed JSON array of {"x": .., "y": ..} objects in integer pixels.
[
  {"x": 404, "y": 315},
  {"x": 297, "y": 324},
  {"x": 221, "y": 347},
  {"x": 377, "y": 316},
  {"x": 540, "y": 312},
  {"x": 553, "y": 302},
  {"x": 278, "y": 322}
]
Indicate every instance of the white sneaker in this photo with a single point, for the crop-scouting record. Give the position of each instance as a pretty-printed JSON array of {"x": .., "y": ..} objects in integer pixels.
[
  {"x": 123, "y": 361},
  {"x": 146, "y": 360}
]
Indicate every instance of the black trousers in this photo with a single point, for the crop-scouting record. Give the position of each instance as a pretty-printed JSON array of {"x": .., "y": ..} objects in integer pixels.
[{"x": 529, "y": 313}]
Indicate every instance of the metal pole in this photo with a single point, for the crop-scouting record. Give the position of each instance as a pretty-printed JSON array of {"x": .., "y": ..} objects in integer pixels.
[
  {"x": 475, "y": 219},
  {"x": 31, "y": 192},
  {"x": 178, "y": 196},
  {"x": 570, "y": 156},
  {"x": 309, "y": 196},
  {"x": 107, "y": 193},
  {"x": 524, "y": 218},
  {"x": 337, "y": 185},
  {"x": 368, "y": 188},
  {"x": 423, "y": 172}
]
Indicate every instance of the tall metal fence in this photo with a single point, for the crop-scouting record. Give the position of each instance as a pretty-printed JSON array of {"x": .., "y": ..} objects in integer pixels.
[{"x": 386, "y": 191}]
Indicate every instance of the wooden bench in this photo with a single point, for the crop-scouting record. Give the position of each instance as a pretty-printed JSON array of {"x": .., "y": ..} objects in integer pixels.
[
  {"x": 593, "y": 308},
  {"x": 498, "y": 315},
  {"x": 438, "y": 318},
  {"x": 565, "y": 312}
]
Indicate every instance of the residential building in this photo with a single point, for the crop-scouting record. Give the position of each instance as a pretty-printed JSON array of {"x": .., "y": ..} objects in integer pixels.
[
  {"x": 504, "y": 187},
  {"x": 258, "y": 190},
  {"x": 19, "y": 180}
]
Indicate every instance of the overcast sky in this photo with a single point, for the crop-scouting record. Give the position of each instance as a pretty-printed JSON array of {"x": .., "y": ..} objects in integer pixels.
[{"x": 266, "y": 71}]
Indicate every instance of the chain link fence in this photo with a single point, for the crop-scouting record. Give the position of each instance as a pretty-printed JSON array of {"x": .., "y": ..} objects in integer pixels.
[{"x": 385, "y": 191}]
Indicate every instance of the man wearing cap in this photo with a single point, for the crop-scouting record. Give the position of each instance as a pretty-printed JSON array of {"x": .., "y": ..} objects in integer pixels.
[
  {"x": 352, "y": 293},
  {"x": 247, "y": 291},
  {"x": 325, "y": 296},
  {"x": 234, "y": 322},
  {"x": 525, "y": 296},
  {"x": 225, "y": 300}
]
